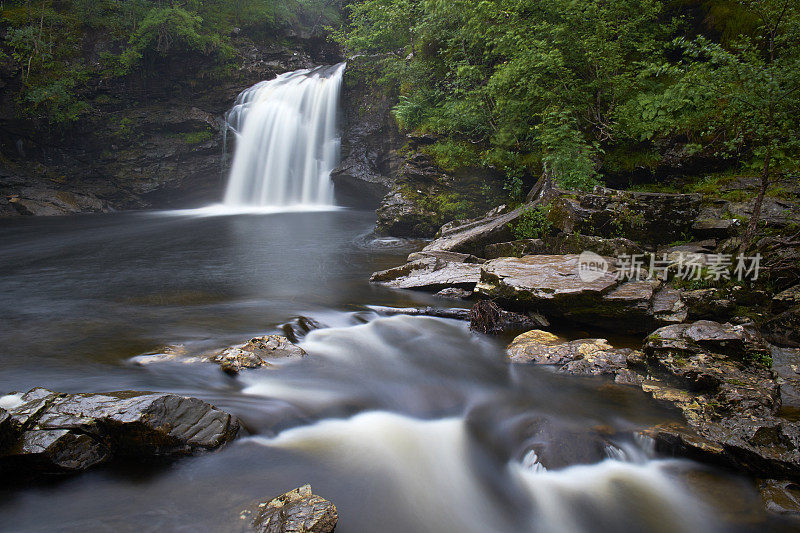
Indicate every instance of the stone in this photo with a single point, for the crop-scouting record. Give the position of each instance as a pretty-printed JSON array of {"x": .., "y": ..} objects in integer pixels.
[
  {"x": 257, "y": 353},
  {"x": 786, "y": 300},
  {"x": 454, "y": 293},
  {"x": 57, "y": 433},
  {"x": 297, "y": 511},
  {"x": 780, "y": 496},
  {"x": 299, "y": 327},
  {"x": 642, "y": 217},
  {"x": 488, "y": 318},
  {"x": 590, "y": 357},
  {"x": 718, "y": 375},
  {"x": 472, "y": 237},
  {"x": 715, "y": 228},
  {"x": 432, "y": 272},
  {"x": 555, "y": 286}
]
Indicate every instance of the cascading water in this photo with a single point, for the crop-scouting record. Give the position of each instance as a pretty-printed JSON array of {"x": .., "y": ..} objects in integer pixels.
[{"x": 286, "y": 140}]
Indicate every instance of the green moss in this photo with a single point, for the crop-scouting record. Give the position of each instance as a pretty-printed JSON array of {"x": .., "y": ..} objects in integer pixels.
[{"x": 197, "y": 137}]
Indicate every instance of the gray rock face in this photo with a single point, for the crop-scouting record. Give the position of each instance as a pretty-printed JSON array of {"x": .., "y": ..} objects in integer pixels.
[
  {"x": 297, "y": 511},
  {"x": 52, "y": 432},
  {"x": 370, "y": 137},
  {"x": 258, "y": 353}
]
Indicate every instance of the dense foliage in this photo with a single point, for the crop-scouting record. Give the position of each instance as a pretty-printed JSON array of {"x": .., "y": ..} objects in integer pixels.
[
  {"x": 60, "y": 46},
  {"x": 581, "y": 87}
]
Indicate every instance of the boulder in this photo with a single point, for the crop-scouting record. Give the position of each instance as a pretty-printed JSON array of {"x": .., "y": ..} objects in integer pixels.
[
  {"x": 48, "y": 432},
  {"x": 643, "y": 217},
  {"x": 472, "y": 237},
  {"x": 257, "y": 353},
  {"x": 591, "y": 357},
  {"x": 780, "y": 496},
  {"x": 297, "y": 511}
]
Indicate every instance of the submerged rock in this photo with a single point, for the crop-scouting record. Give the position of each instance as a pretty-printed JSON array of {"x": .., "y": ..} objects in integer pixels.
[
  {"x": 780, "y": 496},
  {"x": 297, "y": 511},
  {"x": 258, "y": 353},
  {"x": 581, "y": 357},
  {"x": 48, "y": 432}
]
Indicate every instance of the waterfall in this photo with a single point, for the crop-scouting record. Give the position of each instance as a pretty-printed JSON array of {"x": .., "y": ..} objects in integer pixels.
[{"x": 287, "y": 140}]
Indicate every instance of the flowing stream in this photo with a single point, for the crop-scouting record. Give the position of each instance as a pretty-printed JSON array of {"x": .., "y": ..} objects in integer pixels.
[{"x": 406, "y": 423}]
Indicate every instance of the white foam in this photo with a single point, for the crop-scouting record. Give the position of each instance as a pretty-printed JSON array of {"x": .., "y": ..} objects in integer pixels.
[{"x": 11, "y": 401}]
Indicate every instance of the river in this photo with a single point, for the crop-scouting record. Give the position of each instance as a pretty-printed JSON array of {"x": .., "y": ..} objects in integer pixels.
[{"x": 405, "y": 423}]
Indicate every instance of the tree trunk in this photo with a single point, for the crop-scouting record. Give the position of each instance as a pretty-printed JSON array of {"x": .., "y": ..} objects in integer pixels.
[
  {"x": 542, "y": 188},
  {"x": 752, "y": 226}
]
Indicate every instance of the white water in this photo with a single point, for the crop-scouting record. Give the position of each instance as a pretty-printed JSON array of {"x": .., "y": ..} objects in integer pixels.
[
  {"x": 286, "y": 141},
  {"x": 428, "y": 471}
]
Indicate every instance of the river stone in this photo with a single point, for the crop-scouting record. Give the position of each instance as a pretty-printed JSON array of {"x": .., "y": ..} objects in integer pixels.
[
  {"x": 472, "y": 237},
  {"x": 297, "y": 511},
  {"x": 563, "y": 243},
  {"x": 52, "y": 432},
  {"x": 590, "y": 357},
  {"x": 258, "y": 353}
]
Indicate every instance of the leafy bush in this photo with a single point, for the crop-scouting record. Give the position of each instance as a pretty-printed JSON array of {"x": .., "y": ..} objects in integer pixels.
[{"x": 534, "y": 223}]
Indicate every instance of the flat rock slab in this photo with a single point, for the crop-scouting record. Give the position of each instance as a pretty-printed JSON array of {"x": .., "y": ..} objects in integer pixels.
[
  {"x": 432, "y": 273},
  {"x": 46, "y": 431},
  {"x": 297, "y": 511},
  {"x": 540, "y": 277}
]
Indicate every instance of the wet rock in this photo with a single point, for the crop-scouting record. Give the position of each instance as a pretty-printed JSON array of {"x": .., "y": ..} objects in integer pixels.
[
  {"x": 540, "y": 442},
  {"x": 784, "y": 329},
  {"x": 786, "y": 300},
  {"x": 436, "y": 312},
  {"x": 432, "y": 271},
  {"x": 297, "y": 511},
  {"x": 780, "y": 496},
  {"x": 51, "y": 432},
  {"x": 472, "y": 237},
  {"x": 370, "y": 138},
  {"x": 718, "y": 376},
  {"x": 708, "y": 304},
  {"x": 257, "y": 353},
  {"x": 581, "y": 357},
  {"x": 299, "y": 327},
  {"x": 715, "y": 228},
  {"x": 488, "y": 318}
]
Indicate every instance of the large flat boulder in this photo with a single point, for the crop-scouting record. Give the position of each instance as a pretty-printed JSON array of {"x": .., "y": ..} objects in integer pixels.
[
  {"x": 557, "y": 286},
  {"x": 44, "y": 431}
]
